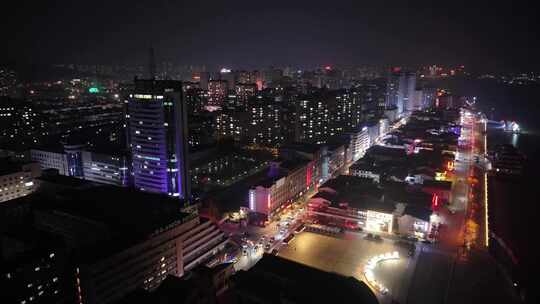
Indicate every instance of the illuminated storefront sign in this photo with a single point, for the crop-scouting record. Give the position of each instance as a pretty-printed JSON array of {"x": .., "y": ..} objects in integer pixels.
[
  {"x": 147, "y": 96},
  {"x": 378, "y": 221},
  {"x": 420, "y": 228},
  {"x": 252, "y": 199},
  {"x": 440, "y": 176}
]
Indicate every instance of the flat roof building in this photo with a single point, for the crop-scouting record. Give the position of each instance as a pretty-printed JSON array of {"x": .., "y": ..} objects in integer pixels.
[
  {"x": 17, "y": 179},
  {"x": 277, "y": 280},
  {"x": 120, "y": 239}
]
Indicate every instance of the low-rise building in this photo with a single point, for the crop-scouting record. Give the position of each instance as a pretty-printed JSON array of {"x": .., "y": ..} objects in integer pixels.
[
  {"x": 111, "y": 169},
  {"x": 335, "y": 160},
  {"x": 414, "y": 221},
  {"x": 51, "y": 159},
  {"x": 288, "y": 180},
  {"x": 104, "y": 167},
  {"x": 17, "y": 180},
  {"x": 359, "y": 143},
  {"x": 441, "y": 191},
  {"x": 352, "y": 202},
  {"x": 365, "y": 169}
]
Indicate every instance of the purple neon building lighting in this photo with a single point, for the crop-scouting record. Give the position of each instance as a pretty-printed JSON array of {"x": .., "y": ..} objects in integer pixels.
[{"x": 157, "y": 136}]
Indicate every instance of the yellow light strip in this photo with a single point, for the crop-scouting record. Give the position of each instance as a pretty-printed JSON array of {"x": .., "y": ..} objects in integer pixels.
[
  {"x": 485, "y": 144},
  {"x": 486, "y": 224},
  {"x": 486, "y": 190}
]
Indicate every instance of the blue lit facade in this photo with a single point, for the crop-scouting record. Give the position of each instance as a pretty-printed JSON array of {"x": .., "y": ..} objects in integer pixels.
[
  {"x": 74, "y": 160},
  {"x": 157, "y": 137}
]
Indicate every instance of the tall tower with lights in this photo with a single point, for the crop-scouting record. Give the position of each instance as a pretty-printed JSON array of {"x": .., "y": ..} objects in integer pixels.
[{"x": 157, "y": 137}]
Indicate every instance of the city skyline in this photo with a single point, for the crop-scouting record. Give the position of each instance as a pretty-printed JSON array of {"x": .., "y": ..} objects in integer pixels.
[{"x": 236, "y": 152}]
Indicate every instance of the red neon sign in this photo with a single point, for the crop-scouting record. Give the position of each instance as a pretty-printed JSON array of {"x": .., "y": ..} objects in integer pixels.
[
  {"x": 308, "y": 175},
  {"x": 435, "y": 201}
]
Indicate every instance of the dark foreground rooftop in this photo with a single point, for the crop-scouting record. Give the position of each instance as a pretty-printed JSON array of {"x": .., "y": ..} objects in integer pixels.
[
  {"x": 278, "y": 280},
  {"x": 120, "y": 209},
  {"x": 107, "y": 217}
]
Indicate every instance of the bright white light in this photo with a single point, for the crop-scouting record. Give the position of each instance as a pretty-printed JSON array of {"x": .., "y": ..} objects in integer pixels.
[
  {"x": 515, "y": 127},
  {"x": 370, "y": 266}
]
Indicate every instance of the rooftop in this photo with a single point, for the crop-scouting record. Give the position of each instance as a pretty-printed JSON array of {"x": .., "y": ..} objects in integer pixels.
[
  {"x": 445, "y": 185},
  {"x": 113, "y": 216},
  {"x": 346, "y": 182},
  {"x": 418, "y": 212},
  {"x": 363, "y": 164},
  {"x": 273, "y": 279},
  {"x": 110, "y": 205},
  {"x": 302, "y": 147},
  {"x": 233, "y": 197},
  {"x": 52, "y": 176},
  {"x": 293, "y": 164},
  {"x": 356, "y": 192},
  {"x": 9, "y": 167},
  {"x": 377, "y": 150}
]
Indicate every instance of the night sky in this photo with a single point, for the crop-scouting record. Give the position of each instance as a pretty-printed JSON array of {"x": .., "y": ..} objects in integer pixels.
[{"x": 250, "y": 34}]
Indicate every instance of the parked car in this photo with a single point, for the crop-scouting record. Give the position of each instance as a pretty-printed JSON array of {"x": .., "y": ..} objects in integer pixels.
[
  {"x": 410, "y": 238},
  {"x": 288, "y": 238}
]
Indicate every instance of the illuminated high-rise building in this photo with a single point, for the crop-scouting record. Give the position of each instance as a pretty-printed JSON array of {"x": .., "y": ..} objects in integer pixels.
[
  {"x": 400, "y": 93},
  {"x": 229, "y": 76},
  {"x": 392, "y": 87},
  {"x": 157, "y": 137},
  {"x": 217, "y": 90},
  {"x": 407, "y": 87}
]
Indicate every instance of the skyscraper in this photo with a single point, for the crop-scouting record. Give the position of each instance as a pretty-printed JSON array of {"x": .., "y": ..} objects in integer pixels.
[
  {"x": 157, "y": 136},
  {"x": 217, "y": 91},
  {"x": 406, "y": 93},
  {"x": 392, "y": 87},
  {"x": 400, "y": 93}
]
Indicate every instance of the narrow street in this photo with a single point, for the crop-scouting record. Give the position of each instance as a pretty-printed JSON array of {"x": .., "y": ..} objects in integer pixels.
[
  {"x": 470, "y": 273},
  {"x": 436, "y": 262}
]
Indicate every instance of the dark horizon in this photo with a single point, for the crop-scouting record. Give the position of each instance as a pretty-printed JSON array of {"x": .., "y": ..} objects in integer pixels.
[{"x": 242, "y": 35}]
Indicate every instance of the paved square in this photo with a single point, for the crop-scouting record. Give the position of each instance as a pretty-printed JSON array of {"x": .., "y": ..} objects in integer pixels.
[{"x": 348, "y": 255}]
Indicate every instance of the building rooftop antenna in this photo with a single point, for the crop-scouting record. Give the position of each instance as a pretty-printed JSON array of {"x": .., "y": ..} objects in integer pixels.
[{"x": 151, "y": 63}]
